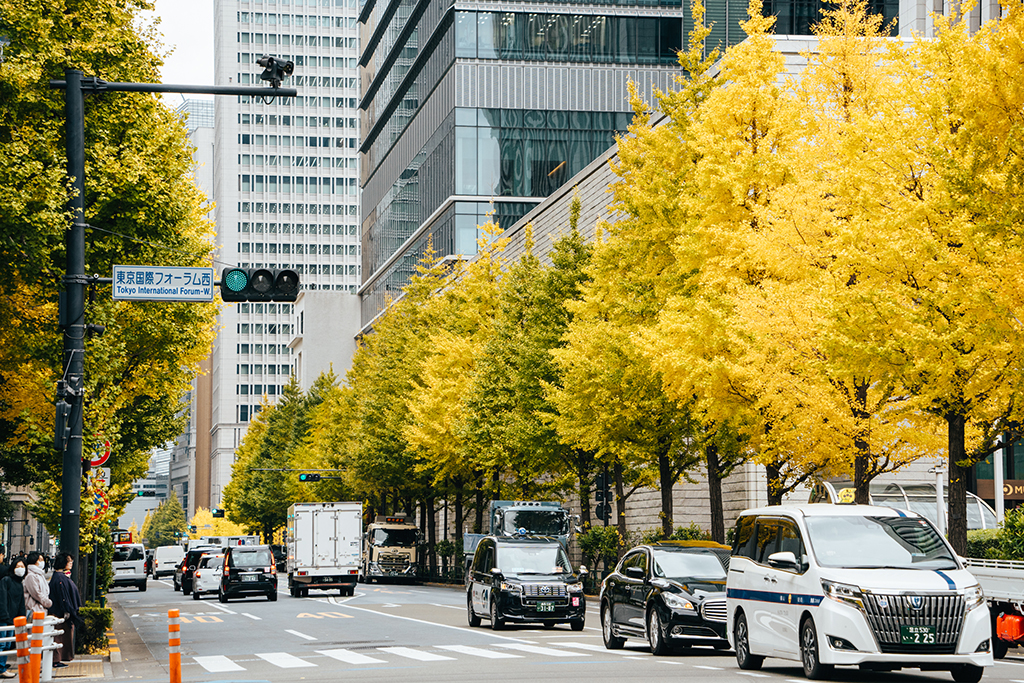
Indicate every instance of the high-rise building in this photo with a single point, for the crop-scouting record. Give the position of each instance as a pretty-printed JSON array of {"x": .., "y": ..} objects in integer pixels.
[
  {"x": 286, "y": 191},
  {"x": 475, "y": 107}
]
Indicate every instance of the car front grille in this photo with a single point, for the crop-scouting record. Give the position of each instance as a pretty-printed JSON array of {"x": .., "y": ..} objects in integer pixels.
[
  {"x": 887, "y": 613},
  {"x": 544, "y": 590},
  {"x": 715, "y": 610}
]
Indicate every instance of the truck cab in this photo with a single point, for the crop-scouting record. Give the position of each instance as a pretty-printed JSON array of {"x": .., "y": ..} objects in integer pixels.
[
  {"x": 520, "y": 518},
  {"x": 390, "y": 549}
]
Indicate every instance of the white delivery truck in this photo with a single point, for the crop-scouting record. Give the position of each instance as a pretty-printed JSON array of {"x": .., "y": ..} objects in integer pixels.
[{"x": 324, "y": 541}]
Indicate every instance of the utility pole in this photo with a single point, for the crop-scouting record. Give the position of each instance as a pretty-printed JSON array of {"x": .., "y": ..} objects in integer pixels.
[{"x": 72, "y": 386}]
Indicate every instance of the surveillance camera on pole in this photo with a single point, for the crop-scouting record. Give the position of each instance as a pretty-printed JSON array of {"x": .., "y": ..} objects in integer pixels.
[{"x": 274, "y": 70}]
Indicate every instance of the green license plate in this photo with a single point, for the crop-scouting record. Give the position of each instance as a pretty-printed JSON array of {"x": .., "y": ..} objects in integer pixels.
[
  {"x": 917, "y": 635},
  {"x": 545, "y": 607}
]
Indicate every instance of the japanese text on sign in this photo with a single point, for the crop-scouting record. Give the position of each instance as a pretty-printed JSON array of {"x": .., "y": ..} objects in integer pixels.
[{"x": 159, "y": 283}]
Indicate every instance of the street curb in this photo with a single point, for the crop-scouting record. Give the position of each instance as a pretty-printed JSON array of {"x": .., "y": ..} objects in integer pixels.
[{"x": 115, "y": 651}]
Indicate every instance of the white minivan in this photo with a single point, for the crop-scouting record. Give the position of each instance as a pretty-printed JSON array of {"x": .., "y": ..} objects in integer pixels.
[
  {"x": 166, "y": 558},
  {"x": 853, "y": 584}
]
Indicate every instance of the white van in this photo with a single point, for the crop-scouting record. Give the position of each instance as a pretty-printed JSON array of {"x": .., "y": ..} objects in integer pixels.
[
  {"x": 853, "y": 584},
  {"x": 166, "y": 558}
]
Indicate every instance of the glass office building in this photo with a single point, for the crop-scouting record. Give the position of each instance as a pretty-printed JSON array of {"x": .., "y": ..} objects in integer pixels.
[{"x": 475, "y": 107}]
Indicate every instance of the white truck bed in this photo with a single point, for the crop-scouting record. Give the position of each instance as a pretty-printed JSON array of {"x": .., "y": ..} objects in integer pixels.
[
  {"x": 1002, "y": 580},
  {"x": 325, "y": 537}
]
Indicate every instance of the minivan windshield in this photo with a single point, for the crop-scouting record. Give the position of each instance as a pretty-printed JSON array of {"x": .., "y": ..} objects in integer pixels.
[
  {"x": 251, "y": 558},
  {"x": 536, "y": 522},
  {"x": 533, "y": 559},
  {"x": 854, "y": 542},
  {"x": 128, "y": 553}
]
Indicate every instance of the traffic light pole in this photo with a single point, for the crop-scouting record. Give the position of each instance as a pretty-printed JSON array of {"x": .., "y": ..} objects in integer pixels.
[{"x": 72, "y": 386}]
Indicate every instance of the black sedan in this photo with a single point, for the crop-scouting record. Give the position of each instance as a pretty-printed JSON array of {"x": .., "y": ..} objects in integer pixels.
[{"x": 671, "y": 593}]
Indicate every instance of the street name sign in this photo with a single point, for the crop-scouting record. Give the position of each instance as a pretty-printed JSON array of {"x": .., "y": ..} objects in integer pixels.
[{"x": 161, "y": 283}]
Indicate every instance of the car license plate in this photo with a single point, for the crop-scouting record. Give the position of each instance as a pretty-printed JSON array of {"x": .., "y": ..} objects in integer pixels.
[
  {"x": 545, "y": 607},
  {"x": 124, "y": 571},
  {"x": 917, "y": 635},
  {"x": 249, "y": 577}
]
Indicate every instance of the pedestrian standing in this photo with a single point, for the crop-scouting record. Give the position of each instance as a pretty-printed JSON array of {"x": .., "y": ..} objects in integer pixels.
[
  {"x": 66, "y": 603},
  {"x": 37, "y": 591},
  {"x": 6, "y": 619},
  {"x": 12, "y": 599}
]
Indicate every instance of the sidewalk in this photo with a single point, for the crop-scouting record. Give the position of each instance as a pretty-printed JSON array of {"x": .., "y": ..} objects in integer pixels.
[{"x": 84, "y": 667}]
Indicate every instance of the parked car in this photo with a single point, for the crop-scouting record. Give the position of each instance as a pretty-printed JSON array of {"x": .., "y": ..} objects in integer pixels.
[
  {"x": 166, "y": 559},
  {"x": 524, "y": 579},
  {"x": 206, "y": 578},
  {"x": 672, "y": 594},
  {"x": 184, "y": 570},
  {"x": 130, "y": 565},
  {"x": 877, "y": 587},
  {"x": 248, "y": 570}
]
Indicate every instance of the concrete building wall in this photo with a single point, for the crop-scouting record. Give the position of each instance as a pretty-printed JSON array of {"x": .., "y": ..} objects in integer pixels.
[{"x": 326, "y": 324}]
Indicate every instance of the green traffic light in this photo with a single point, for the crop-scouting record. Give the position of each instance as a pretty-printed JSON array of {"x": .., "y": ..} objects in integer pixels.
[{"x": 236, "y": 280}]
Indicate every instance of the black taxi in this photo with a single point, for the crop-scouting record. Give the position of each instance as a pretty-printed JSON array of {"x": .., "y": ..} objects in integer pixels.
[
  {"x": 524, "y": 580},
  {"x": 671, "y": 593}
]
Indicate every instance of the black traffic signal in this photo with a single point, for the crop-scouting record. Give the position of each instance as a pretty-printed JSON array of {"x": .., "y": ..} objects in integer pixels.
[
  {"x": 217, "y": 512},
  {"x": 309, "y": 477},
  {"x": 62, "y": 425},
  {"x": 274, "y": 69},
  {"x": 191, "y": 528},
  {"x": 259, "y": 284},
  {"x": 144, "y": 493}
]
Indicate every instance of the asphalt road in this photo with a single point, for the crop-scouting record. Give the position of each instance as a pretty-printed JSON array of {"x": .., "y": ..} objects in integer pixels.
[{"x": 411, "y": 633}]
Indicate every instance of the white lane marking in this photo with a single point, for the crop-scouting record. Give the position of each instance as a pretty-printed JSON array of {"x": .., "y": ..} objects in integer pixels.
[
  {"x": 217, "y": 664},
  {"x": 134, "y": 615},
  {"x": 642, "y": 659},
  {"x": 751, "y": 673},
  {"x": 222, "y": 609},
  {"x": 284, "y": 660},
  {"x": 594, "y": 648},
  {"x": 1003, "y": 661},
  {"x": 463, "y": 629},
  {"x": 477, "y": 652},
  {"x": 461, "y": 609},
  {"x": 300, "y": 635},
  {"x": 166, "y": 583},
  {"x": 350, "y": 657},
  {"x": 709, "y": 668},
  {"x": 251, "y": 616},
  {"x": 663, "y": 661},
  {"x": 542, "y": 650},
  {"x": 418, "y": 655}
]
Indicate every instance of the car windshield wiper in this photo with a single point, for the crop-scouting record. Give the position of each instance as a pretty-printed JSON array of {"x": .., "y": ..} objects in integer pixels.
[{"x": 892, "y": 566}]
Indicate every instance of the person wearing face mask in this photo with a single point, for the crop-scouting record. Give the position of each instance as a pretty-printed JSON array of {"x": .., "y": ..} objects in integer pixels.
[
  {"x": 6, "y": 619},
  {"x": 37, "y": 591},
  {"x": 66, "y": 603},
  {"x": 12, "y": 603}
]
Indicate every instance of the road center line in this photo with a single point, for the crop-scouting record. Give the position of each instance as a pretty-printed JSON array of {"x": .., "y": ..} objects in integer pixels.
[
  {"x": 300, "y": 635},
  {"x": 461, "y": 629},
  {"x": 246, "y": 614},
  {"x": 222, "y": 609}
]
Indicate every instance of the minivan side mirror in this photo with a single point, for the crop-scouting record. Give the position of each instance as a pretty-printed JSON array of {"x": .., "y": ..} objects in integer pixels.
[{"x": 783, "y": 560}]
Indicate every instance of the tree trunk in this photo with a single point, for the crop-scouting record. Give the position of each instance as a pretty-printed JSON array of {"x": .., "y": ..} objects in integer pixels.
[
  {"x": 584, "y": 491},
  {"x": 478, "y": 522},
  {"x": 956, "y": 519},
  {"x": 620, "y": 502},
  {"x": 862, "y": 448},
  {"x": 431, "y": 537},
  {"x": 665, "y": 475},
  {"x": 774, "y": 475},
  {"x": 715, "y": 493},
  {"x": 457, "y": 537}
]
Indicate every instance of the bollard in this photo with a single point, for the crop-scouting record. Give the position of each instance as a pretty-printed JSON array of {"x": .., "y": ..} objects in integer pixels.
[
  {"x": 21, "y": 633},
  {"x": 174, "y": 644},
  {"x": 35, "y": 652}
]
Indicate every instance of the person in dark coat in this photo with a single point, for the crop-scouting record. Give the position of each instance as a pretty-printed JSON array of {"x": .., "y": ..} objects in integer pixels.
[
  {"x": 66, "y": 603},
  {"x": 6, "y": 619}
]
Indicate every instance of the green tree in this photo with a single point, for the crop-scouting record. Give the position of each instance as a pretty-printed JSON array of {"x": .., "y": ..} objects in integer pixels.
[
  {"x": 142, "y": 206},
  {"x": 168, "y": 525}
]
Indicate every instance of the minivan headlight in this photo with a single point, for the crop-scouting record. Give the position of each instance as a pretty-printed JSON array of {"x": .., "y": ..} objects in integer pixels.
[
  {"x": 575, "y": 587},
  {"x": 676, "y": 602},
  {"x": 843, "y": 592},
  {"x": 514, "y": 588},
  {"x": 974, "y": 596}
]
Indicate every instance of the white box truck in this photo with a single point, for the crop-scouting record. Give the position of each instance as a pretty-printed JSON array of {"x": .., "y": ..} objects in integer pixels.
[{"x": 324, "y": 541}]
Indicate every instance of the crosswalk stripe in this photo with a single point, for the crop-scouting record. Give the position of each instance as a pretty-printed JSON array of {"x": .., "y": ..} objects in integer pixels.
[
  {"x": 284, "y": 660},
  {"x": 541, "y": 650},
  {"x": 350, "y": 657},
  {"x": 410, "y": 653},
  {"x": 597, "y": 648},
  {"x": 477, "y": 652},
  {"x": 217, "y": 664}
]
